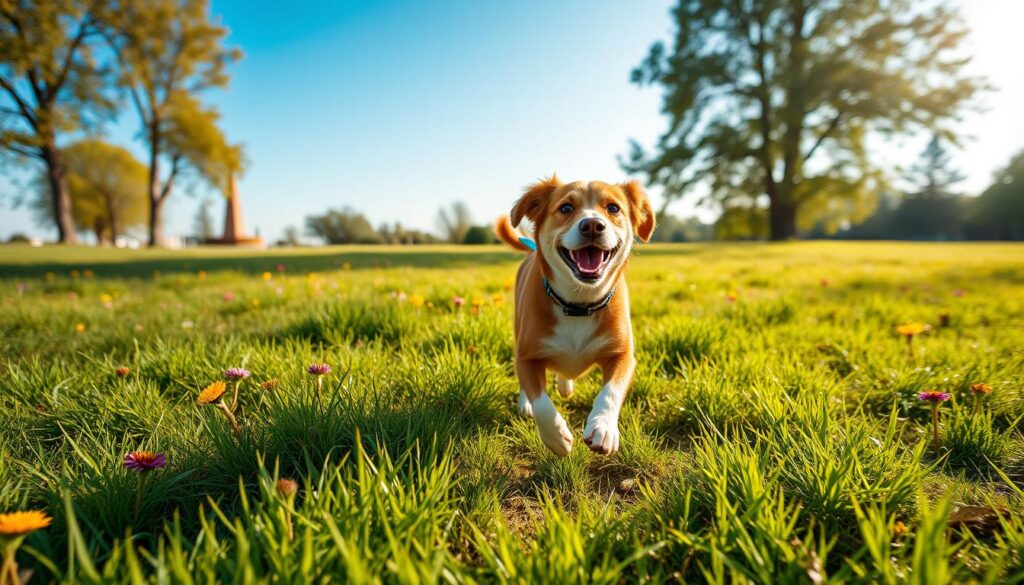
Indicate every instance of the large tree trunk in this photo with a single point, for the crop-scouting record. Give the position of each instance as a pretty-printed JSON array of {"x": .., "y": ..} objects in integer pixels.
[
  {"x": 782, "y": 220},
  {"x": 156, "y": 223},
  {"x": 56, "y": 175},
  {"x": 156, "y": 203}
]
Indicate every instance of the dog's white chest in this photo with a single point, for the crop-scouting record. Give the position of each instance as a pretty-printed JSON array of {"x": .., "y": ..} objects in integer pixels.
[{"x": 574, "y": 343}]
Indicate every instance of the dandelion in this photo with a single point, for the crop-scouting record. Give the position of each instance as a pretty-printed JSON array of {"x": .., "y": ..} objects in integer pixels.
[
  {"x": 22, "y": 523},
  {"x": 497, "y": 299},
  {"x": 107, "y": 301},
  {"x": 267, "y": 276},
  {"x": 477, "y": 304},
  {"x": 142, "y": 462},
  {"x": 458, "y": 302},
  {"x": 899, "y": 528},
  {"x": 508, "y": 284},
  {"x": 255, "y": 303},
  {"x": 908, "y": 331},
  {"x": 270, "y": 384},
  {"x": 732, "y": 296},
  {"x": 319, "y": 370},
  {"x": 201, "y": 275},
  {"x": 214, "y": 394},
  {"x": 236, "y": 375},
  {"x": 122, "y": 371},
  {"x": 80, "y": 327},
  {"x": 936, "y": 398},
  {"x": 979, "y": 390},
  {"x": 417, "y": 300},
  {"x": 346, "y": 266},
  {"x": 14, "y": 527}
]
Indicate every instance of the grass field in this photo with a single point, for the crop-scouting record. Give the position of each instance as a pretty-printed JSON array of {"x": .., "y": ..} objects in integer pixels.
[{"x": 773, "y": 434}]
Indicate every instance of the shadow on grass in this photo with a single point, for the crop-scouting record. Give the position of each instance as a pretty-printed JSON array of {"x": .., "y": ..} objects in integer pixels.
[{"x": 23, "y": 261}]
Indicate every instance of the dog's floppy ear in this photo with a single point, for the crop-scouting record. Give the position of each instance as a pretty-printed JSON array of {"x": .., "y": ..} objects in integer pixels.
[
  {"x": 640, "y": 210},
  {"x": 534, "y": 200}
]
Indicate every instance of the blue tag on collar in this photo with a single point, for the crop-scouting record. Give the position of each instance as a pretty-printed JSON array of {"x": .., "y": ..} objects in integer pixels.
[{"x": 529, "y": 243}]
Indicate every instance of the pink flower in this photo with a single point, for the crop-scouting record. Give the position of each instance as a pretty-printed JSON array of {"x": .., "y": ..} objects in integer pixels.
[
  {"x": 142, "y": 461},
  {"x": 458, "y": 302},
  {"x": 318, "y": 369},
  {"x": 933, "y": 396}
]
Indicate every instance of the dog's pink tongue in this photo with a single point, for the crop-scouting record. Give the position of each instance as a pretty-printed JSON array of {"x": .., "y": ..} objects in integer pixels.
[{"x": 588, "y": 259}]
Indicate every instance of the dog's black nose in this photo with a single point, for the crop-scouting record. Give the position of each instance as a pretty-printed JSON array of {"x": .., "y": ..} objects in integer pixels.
[{"x": 592, "y": 226}]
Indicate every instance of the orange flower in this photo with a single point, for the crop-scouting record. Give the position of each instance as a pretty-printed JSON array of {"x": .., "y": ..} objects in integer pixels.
[
  {"x": 417, "y": 300},
  {"x": 981, "y": 388},
  {"x": 22, "y": 523},
  {"x": 122, "y": 371},
  {"x": 911, "y": 329},
  {"x": 213, "y": 393},
  {"x": 267, "y": 276},
  {"x": 287, "y": 487}
]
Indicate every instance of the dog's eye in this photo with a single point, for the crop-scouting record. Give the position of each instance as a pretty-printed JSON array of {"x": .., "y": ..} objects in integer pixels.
[
  {"x": 566, "y": 208},
  {"x": 613, "y": 209}
]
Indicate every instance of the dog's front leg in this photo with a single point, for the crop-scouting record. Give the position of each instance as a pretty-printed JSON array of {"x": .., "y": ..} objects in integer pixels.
[
  {"x": 601, "y": 433},
  {"x": 551, "y": 426}
]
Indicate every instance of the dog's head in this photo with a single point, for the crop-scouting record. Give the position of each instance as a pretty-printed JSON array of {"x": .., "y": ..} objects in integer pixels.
[{"x": 585, "y": 231}]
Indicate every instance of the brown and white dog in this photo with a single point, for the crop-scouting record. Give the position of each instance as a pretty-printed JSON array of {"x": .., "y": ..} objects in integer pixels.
[{"x": 572, "y": 304}]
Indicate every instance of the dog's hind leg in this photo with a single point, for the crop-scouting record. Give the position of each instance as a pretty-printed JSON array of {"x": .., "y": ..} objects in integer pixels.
[{"x": 565, "y": 386}]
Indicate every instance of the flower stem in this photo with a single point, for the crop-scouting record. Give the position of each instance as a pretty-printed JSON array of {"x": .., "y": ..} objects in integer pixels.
[
  {"x": 9, "y": 570},
  {"x": 910, "y": 347},
  {"x": 231, "y": 417},
  {"x": 140, "y": 487},
  {"x": 935, "y": 426},
  {"x": 977, "y": 403},
  {"x": 234, "y": 399}
]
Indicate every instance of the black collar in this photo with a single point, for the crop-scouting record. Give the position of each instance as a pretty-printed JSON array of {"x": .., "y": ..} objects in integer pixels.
[{"x": 573, "y": 309}]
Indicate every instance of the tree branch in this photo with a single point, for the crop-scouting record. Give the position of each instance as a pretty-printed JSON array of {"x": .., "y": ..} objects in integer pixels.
[
  {"x": 22, "y": 152},
  {"x": 169, "y": 183},
  {"x": 26, "y": 112},
  {"x": 831, "y": 126},
  {"x": 83, "y": 32}
]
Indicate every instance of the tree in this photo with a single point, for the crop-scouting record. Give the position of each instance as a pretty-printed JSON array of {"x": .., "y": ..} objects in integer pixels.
[
  {"x": 107, "y": 189},
  {"x": 998, "y": 212},
  {"x": 168, "y": 51},
  {"x": 203, "y": 223},
  {"x": 51, "y": 86},
  {"x": 454, "y": 222},
  {"x": 347, "y": 226},
  {"x": 479, "y": 234},
  {"x": 770, "y": 102},
  {"x": 931, "y": 210}
]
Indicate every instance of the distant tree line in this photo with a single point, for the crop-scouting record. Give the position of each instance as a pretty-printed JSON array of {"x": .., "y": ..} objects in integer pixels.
[{"x": 349, "y": 226}]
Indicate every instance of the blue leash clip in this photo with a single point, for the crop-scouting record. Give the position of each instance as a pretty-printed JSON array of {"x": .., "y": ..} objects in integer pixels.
[{"x": 529, "y": 243}]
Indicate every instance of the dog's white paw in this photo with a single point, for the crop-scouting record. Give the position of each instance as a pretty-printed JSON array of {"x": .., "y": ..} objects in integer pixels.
[
  {"x": 525, "y": 409},
  {"x": 601, "y": 433},
  {"x": 554, "y": 433},
  {"x": 565, "y": 387}
]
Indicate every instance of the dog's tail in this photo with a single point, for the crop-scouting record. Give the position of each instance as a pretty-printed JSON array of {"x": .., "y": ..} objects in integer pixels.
[{"x": 508, "y": 234}]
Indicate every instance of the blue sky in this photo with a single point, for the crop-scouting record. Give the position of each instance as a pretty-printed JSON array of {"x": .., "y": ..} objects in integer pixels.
[{"x": 396, "y": 107}]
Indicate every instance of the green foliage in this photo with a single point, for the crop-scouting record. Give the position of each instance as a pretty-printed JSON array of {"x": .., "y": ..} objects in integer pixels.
[
  {"x": 347, "y": 226},
  {"x": 770, "y": 436},
  {"x": 999, "y": 209},
  {"x": 755, "y": 90},
  {"x": 108, "y": 189},
  {"x": 479, "y": 234}
]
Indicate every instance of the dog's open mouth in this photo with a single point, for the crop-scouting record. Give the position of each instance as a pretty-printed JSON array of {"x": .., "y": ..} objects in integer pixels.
[{"x": 588, "y": 262}]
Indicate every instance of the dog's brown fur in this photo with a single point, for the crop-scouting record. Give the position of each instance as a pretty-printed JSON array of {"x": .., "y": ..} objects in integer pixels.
[{"x": 610, "y": 343}]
